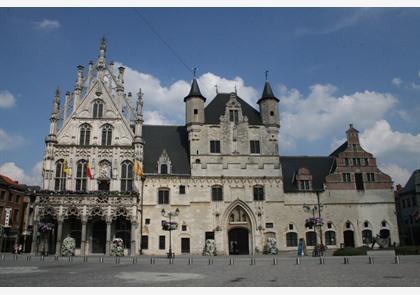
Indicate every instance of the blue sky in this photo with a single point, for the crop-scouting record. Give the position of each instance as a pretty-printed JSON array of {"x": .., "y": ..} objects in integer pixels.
[{"x": 329, "y": 67}]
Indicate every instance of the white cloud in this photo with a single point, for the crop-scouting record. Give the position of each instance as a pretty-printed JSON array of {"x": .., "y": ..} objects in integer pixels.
[
  {"x": 165, "y": 104},
  {"x": 11, "y": 170},
  {"x": 399, "y": 175},
  {"x": 397, "y": 81},
  {"x": 8, "y": 142},
  {"x": 48, "y": 24},
  {"x": 323, "y": 114},
  {"x": 415, "y": 86},
  {"x": 7, "y": 100}
]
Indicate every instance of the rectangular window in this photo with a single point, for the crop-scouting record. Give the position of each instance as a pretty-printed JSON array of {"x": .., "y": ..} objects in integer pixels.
[
  {"x": 184, "y": 228},
  {"x": 217, "y": 193},
  {"x": 366, "y": 162},
  {"x": 185, "y": 245},
  {"x": 359, "y": 181},
  {"x": 346, "y": 161},
  {"x": 163, "y": 196},
  {"x": 304, "y": 185},
  {"x": 10, "y": 197},
  {"x": 162, "y": 243},
  {"x": 403, "y": 203},
  {"x": 269, "y": 225},
  {"x": 147, "y": 221},
  {"x": 255, "y": 146},
  {"x": 258, "y": 193},
  {"x": 414, "y": 201},
  {"x": 182, "y": 189},
  {"x": 290, "y": 226},
  {"x": 17, "y": 199},
  {"x": 16, "y": 217},
  {"x": 195, "y": 111},
  {"x": 346, "y": 177},
  {"x": 370, "y": 177},
  {"x": 145, "y": 242},
  {"x": 215, "y": 146},
  {"x": 408, "y": 203},
  {"x": 2, "y": 195},
  {"x": 356, "y": 162},
  {"x": 234, "y": 116}
]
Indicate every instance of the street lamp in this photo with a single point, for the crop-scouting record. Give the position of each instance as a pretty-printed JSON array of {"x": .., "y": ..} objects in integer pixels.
[
  {"x": 318, "y": 208},
  {"x": 170, "y": 215}
]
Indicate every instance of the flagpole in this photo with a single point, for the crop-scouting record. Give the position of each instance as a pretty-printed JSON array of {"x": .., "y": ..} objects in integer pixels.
[{"x": 141, "y": 220}]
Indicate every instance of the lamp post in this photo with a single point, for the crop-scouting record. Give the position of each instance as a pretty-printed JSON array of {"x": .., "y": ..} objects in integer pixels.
[
  {"x": 318, "y": 208},
  {"x": 170, "y": 214}
]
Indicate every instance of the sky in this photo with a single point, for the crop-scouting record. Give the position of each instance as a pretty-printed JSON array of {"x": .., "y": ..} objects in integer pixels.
[{"x": 328, "y": 66}]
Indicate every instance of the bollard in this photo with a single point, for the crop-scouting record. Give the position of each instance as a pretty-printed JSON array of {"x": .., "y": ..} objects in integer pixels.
[
  {"x": 275, "y": 261},
  {"x": 210, "y": 261},
  {"x": 171, "y": 261},
  {"x": 55, "y": 258},
  {"x": 134, "y": 260},
  {"x": 3, "y": 258},
  {"x": 252, "y": 261},
  {"x": 371, "y": 260},
  {"x": 101, "y": 259},
  {"x": 297, "y": 260},
  {"x": 42, "y": 258},
  {"x": 321, "y": 260},
  {"x": 397, "y": 259},
  {"x": 346, "y": 260},
  {"x": 117, "y": 260},
  {"x": 152, "y": 261},
  {"x": 15, "y": 257},
  {"x": 70, "y": 259},
  {"x": 85, "y": 259},
  {"x": 231, "y": 261},
  {"x": 28, "y": 258},
  {"x": 190, "y": 261}
]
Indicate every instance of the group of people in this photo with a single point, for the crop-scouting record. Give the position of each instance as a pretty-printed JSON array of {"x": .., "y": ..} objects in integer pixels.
[{"x": 18, "y": 249}]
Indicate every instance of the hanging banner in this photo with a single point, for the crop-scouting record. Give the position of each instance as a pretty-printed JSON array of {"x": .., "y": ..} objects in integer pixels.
[{"x": 7, "y": 216}]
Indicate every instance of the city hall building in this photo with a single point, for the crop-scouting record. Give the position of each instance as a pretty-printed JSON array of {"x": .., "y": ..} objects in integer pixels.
[{"x": 220, "y": 171}]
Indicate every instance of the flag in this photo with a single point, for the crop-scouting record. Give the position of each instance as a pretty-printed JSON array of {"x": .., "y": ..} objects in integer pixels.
[
  {"x": 88, "y": 171},
  {"x": 137, "y": 169},
  {"x": 67, "y": 169}
]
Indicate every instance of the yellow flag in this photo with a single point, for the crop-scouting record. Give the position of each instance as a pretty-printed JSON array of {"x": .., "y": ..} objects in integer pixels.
[
  {"x": 137, "y": 169},
  {"x": 67, "y": 169}
]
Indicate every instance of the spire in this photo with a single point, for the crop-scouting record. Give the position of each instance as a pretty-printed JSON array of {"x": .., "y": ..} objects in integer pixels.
[
  {"x": 267, "y": 93},
  {"x": 352, "y": 135},
  {"x": 56, "y": 101},
  {"x": 195, "y": 91}
]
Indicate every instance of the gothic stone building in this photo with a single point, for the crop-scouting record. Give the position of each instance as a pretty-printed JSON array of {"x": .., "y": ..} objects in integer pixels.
[{"x": 221, "y": 170}]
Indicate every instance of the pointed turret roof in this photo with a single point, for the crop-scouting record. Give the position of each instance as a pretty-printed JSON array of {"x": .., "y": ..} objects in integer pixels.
[
  {"x": 267, "y": 93},
  {"x": 195, "y": 91}
]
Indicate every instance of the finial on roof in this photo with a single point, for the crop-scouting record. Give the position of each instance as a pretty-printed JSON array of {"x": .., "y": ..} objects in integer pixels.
[
  {"x": 266, "y": 75},
  {"x": 236, "y": 92},
  {"x": 57, "y": 92},
  {"x": 217, "y": 89},
  {"x": 103, "y": 44},
  {"x": 194, "y": 72}
]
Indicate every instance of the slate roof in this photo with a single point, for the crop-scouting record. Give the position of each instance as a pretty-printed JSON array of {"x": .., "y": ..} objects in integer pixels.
[
  {"x": 410, "y": 186},
  {"x": 319, "y": 167},
  {"x": 339, "y": 150},
  {"x": 267, "y": 93},
  {"x": 216, "y": 108},
  {"x": 195, "y": 91},
  {"x": 8, "y": 182},
  {"x": 174, "y": 139}
]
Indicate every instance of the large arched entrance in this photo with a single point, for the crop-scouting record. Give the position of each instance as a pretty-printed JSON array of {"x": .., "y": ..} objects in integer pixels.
[
  {"x": 238, "y": 241},
  {"x": 239, "y": 230}
]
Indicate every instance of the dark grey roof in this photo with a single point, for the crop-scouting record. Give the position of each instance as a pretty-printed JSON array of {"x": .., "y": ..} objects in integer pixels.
[
  {"x": 216, "y": 108},
  {"x": 267, "y": 93},
  {"x": 174, "y": 139},
  {"x": 319, "y": 167},
  {"x": 339, "y": 150},
  {"x": 195, "y": 91},
  {"x": 410, "y": 186}
]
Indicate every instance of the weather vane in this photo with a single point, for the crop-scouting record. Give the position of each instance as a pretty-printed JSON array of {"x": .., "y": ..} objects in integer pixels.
[{"x": 194, "y": 71}]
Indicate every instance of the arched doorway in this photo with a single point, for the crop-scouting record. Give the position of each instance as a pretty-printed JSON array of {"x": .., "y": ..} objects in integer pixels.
[
  {"x": 348, "y": 238},
  {"x": 98, "y": 236},
  {"x": 238, "y": 241}
]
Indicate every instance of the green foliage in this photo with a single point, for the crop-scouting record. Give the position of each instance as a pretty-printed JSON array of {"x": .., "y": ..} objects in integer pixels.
[
  {"x": 407, "y": 250},
  {"x": 351, "y": 251}
]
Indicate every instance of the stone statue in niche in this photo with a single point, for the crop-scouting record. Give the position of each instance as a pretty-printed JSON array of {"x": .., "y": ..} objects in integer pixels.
[{"x": 105, "y": 170}]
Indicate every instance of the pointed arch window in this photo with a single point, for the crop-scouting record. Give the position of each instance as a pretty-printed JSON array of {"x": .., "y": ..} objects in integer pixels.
[
  {"x": 60, "y": 176},
  {"x": 126, "y": 176},
  {"x": 85, "y": 134},
  {"x": 81, "y": 177},
  {"x": 98, "y": 109},
  {"x": 106, "y": 135}
]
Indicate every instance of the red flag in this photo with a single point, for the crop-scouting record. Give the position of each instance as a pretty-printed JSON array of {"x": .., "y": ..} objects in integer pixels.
[{"x": 88, "y": 171}]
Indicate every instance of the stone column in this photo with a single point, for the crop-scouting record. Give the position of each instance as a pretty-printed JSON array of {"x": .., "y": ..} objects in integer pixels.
[
  {"x": 59, "y": 236},
  {"x": 34, "y": 237},
  {"x": 108, "y": 236},
  {"x": 83, "y": 238},
  {"x": 133, "y": 238}
]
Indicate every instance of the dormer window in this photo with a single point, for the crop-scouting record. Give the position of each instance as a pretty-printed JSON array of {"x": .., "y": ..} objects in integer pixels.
[
  {"x": 98, "y": 109},
  {"x": 164, "y": 163},
  {"x": 303, "y": 179}
]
